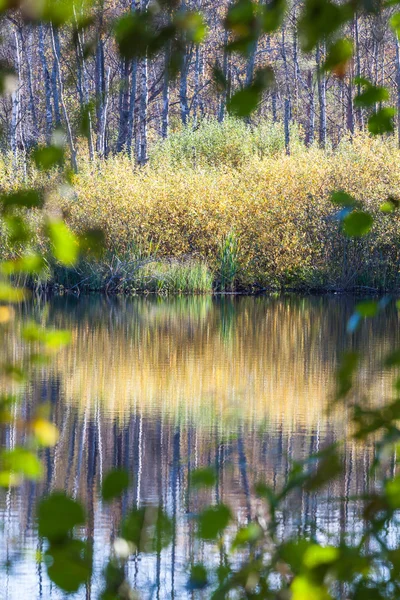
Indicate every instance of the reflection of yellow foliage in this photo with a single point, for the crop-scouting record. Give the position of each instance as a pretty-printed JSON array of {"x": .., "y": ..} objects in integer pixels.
[{"x": 261, "y": 360}]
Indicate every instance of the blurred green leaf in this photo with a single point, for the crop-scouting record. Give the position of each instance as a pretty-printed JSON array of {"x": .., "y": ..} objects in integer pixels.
[
  {"x": 71, "y": 564},
  {"x": 92, "y": 242},
  {"x": 51, "y": 338},
  {"x": 65, "y": 244},
  {"x": 192, "y": 24},
  {"x": 247, "y": 535},
  {"x": 319, "y": 19},
  {"x": 149, "y": 528},
  {"x": 205, "y": 477},
  {"x": 48, "y": 157},
  {"x": 395, "y": 23},
  {"x": 343, "y": 199},
  {"x": 345, "y": 373},
  {"x": 198, "y": 577},
  {"x": 338, "y": 57},
  {"x": 382, "y": 121},
  {"x": 213, "y": 521},
  {"x": 367, "y": 308},
  {"x": 357, "y": 223},
  {"x": 372, "y": 94},
  {"x": 29, "y": 198},
  {"x": 114, "y": 484},
  {"x": 246, "y": 100},
  {"x": 21, "y": 462},
  {"x": 12, "y": 294},
  {"x": 29, "y": 263},
  {"x": 58, "y": 515},
  {"x": 273, "y": 15}
]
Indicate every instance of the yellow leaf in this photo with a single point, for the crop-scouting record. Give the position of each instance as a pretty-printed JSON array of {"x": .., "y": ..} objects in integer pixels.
[{"x": 45, "y": 432}]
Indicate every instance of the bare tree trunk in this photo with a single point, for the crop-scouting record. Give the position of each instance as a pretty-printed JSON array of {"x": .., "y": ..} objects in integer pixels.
[
  {"x": 197, "y": 70},
  {"x": 56, "y": 99},
  {"x": 85, "y": 90},
  {"x": 311, "y": 110},
  {"x": 123, "y": 105},
  {"x": 165, "y": 108},
  {"x": 287, "y": 126},
  {"x": 227, "y": 77},
  {"x": 132, "y": 94},
  {"x": 28, "y": 61},
  {"x": 101, "y": 137},
  {"x": 56, "y": 51},
  {"x": 359, "y": 112},
  {"x": 47, "y": 84},
  {"x": 183, "y": 87},
  {"x": 144, "y": 101},
  {"x": 15, "y": 113},
  {"x": 321, "y": 80},
  {"x": 287, "y": 78}
]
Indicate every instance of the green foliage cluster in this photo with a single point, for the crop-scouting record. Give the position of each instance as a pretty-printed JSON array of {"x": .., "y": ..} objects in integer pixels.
[{"x": 231, "y": 143}]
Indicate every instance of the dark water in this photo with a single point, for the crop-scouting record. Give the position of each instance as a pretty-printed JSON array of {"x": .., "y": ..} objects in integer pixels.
[{"x": 164, "y": 386}]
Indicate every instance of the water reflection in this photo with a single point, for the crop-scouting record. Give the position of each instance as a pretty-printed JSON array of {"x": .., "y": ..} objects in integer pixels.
[{"x": 164, "y": 386}]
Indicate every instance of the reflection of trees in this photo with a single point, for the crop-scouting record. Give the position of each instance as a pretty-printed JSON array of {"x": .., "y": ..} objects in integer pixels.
[
  {"x": 159, "y": 456},
  {"x": 176, "y": 371},
  {"x": 264, "y": 359}
]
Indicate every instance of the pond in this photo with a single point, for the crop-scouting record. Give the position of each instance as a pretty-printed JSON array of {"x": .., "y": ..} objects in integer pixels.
[{"x": 164, "y": 386}]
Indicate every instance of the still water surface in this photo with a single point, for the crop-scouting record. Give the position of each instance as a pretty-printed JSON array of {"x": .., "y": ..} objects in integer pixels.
[{"x": 162, "y": 386}]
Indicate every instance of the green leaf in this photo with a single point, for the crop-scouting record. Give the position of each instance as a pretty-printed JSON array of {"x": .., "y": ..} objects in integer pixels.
[
  {"x": 345, "y": 373},
  {"x": 319, "y": 19},
  {"x": 382, "y": 121},
  {"x": 395, "y": 23},
  {"x": 192, "y": 24},
  {"x": 22, "y": 462},
  {"x": 114, "y": 484},
  {"x": 371, "y": 95},
  {"x": 303, "y": 588},
  {"x": 71, "y": 564},
  {"x": 246, "y": 100},
  {"x": 339, "y": 55},
  {"x": 9, "y": 293},
  {"x": 247, "y": 535},
  {"x": 367, "y": 308},
  {"x": 212, "y": 521},
  {"x": 65, "y": 244},
  {"x": 198, "y": 577},
  {"x": 58, "y": 515},
  {"x": 29, "y": 198},
  {"x": 48, "y": 157},
  {"x": 392, "y": 359},
  {"x": 29, "y": 263},
  {"x": 329, "y": 468},
  {"x": 357, "y": 223},
  {"x": 149, "y": 528},
  {"x": 17, "y": 229},
  {"x": 317, "y": 555},
  {"x": 51, "y": 338},
  {"x": 203, "y": 478},
  {"x": 392, "y": 491},
  {"x": 343, "y": 199},
  {"x": 273, "y": 15}
]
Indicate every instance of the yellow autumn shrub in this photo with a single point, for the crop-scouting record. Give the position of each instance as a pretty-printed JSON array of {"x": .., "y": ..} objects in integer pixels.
[{"x": 277, "y": 207}]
